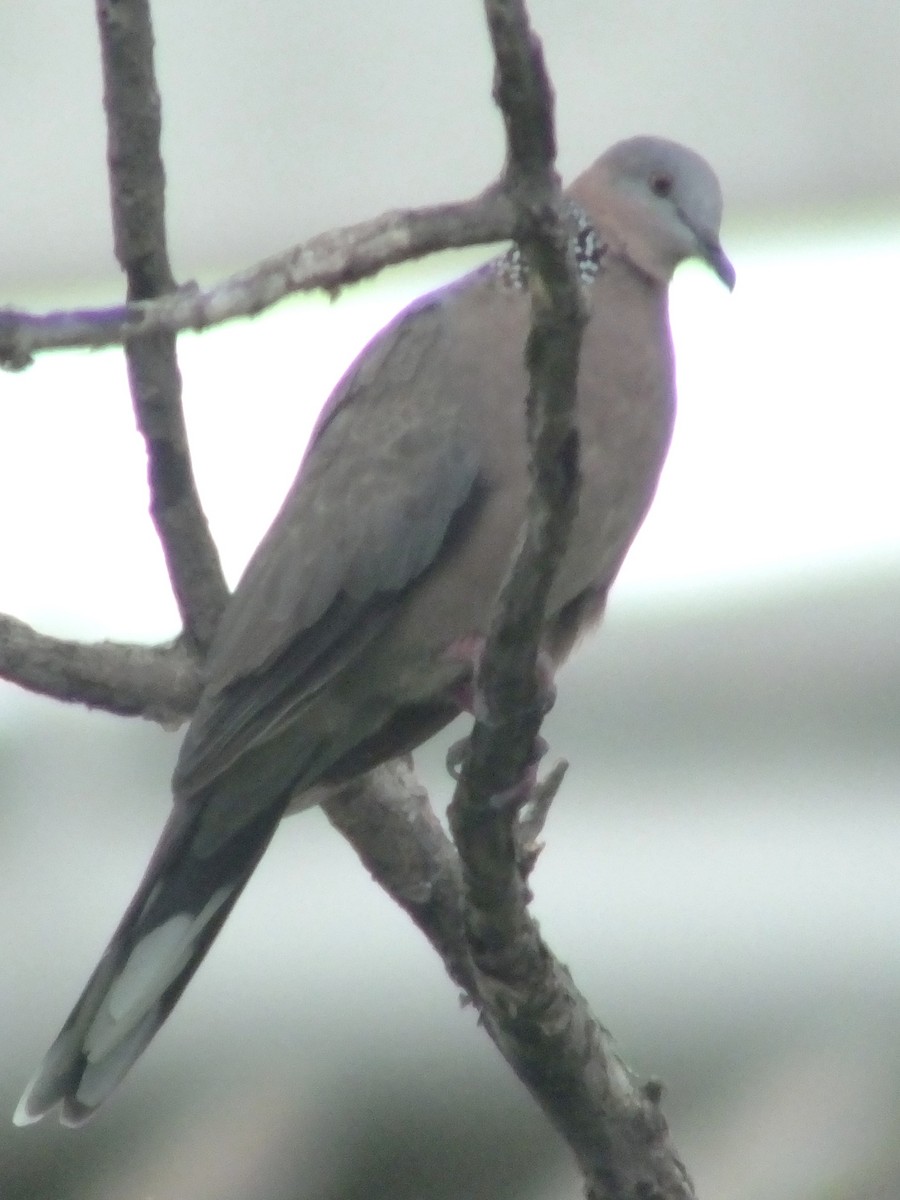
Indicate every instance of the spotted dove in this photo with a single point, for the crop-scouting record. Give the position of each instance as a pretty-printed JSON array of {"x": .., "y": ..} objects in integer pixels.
[{"x": 341, "y": 644}]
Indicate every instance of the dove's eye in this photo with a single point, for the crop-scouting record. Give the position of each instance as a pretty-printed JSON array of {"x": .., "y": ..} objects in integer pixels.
[{"x": 661, "y": 185}]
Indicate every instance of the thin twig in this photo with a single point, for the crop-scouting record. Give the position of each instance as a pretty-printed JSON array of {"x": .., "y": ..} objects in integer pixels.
[
  {"x": 137, "y": 195},
  {"x": 327, "y": 262}
]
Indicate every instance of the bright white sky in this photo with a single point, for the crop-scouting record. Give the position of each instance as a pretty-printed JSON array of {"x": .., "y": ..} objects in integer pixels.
[{"x": 785, "y": 454}]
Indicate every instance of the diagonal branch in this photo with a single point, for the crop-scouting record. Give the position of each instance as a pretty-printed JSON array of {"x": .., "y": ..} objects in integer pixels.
[
  {"x": 137, "y": 194},
  {"x": 388, "y": 819},
  {"x": 329, "y": 262}
]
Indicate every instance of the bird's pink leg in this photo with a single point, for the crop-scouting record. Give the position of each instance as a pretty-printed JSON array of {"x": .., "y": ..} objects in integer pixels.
[{"x": 469, "y": 650}]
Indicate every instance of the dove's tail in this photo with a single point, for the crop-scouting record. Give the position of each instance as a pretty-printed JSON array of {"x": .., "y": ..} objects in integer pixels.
[{"x": 187, "y": 892}]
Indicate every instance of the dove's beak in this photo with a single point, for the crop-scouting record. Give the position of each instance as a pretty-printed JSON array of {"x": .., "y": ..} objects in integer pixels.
[{"x": 713, "y": 254}]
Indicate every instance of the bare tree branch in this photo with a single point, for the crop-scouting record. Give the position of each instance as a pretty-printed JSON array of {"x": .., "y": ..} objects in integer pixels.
[
  {"x": 388, "y": 819},
  {"x": 522, "y": 91},
  {"x": 158, "y": 682},
  {"x": 528, "y": 1001},
  {"x": 328, "y": 262},
  {"x": 137, "y": 195}
]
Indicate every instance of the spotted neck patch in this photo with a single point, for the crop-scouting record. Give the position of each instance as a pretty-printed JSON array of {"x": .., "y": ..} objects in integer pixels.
[{"x": 512, "y": 271}]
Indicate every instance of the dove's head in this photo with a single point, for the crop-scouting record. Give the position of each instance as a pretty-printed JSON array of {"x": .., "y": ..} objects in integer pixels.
[{"x": 661, "y": 202}]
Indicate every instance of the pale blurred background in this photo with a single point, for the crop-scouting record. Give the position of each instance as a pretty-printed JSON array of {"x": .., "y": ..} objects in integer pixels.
[{"x": 721, "y": 871}]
